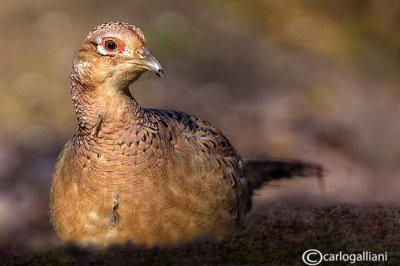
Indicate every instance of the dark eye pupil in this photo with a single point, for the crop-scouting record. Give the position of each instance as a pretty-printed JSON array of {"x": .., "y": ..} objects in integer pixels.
[{"x": 110, "y": 45}]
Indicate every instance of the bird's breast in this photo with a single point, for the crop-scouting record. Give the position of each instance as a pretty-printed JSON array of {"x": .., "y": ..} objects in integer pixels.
[{"x": 107, "y": 192}]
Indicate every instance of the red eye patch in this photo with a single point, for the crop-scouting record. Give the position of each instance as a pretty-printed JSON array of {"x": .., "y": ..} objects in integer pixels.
[{"x": 110, "y": 47}]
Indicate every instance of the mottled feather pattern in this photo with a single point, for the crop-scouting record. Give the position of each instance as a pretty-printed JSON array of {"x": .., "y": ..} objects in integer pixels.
[
  {"x": 153, "y": 177},
  {"x": 208, "y": 142},
  {"x": 190, "y": 196}
]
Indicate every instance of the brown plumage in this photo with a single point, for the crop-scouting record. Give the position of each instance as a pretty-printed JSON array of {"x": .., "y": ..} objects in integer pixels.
[{"x": 153, "y": 177}]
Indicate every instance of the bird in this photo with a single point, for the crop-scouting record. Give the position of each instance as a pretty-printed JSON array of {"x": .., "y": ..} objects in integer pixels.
[{"x": 147, "y": 176}]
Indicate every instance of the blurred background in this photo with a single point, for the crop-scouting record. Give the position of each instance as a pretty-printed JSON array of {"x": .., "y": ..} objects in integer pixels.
[{"x": 312, "y": 80}]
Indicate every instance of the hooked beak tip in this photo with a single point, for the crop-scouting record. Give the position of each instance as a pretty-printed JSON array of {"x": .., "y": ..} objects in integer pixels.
[
  {"x": 149, "y": 62},
  {"x": 160, "y": 73},
  {"x": 154, "y": 65}
]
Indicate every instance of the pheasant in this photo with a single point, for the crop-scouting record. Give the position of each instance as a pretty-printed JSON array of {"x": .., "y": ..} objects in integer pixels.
[{"x": 153, "y": 177}]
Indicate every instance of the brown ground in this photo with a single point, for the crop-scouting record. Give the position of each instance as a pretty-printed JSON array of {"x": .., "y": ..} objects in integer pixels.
[{"x": 278, "y": 236}]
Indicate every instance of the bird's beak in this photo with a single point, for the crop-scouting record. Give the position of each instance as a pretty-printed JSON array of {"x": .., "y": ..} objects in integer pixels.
[
  {"x": 149, "y": 62},
  {"x": 154, "y": 65}
]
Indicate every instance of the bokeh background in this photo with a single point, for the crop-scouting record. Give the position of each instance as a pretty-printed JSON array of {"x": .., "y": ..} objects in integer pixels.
[{"x": 312, "y": 80}]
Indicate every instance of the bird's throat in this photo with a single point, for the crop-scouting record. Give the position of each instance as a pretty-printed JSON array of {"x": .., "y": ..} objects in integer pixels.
[{"x": 110, "y": 107}]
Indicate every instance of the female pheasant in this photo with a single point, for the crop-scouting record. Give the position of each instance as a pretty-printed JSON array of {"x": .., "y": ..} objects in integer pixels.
[{"x": 153, "y": 177}]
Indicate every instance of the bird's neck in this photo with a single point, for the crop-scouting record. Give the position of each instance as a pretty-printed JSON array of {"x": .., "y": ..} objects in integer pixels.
[{"x": 102, "y": 107}]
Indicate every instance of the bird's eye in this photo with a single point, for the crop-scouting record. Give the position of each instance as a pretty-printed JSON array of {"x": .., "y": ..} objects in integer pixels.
[{"x": 110, "y": 45}]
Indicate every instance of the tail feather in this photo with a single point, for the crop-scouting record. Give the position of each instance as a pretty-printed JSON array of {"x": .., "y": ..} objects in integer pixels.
[{"x": 259, "y": 171}]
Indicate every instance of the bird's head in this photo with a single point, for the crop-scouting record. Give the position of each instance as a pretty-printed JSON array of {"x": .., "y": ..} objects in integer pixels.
[{"x": 114, "y": 54}]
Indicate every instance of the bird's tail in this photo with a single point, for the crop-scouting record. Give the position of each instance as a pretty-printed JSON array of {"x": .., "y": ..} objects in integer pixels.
[{"x": 260, "y": 171}]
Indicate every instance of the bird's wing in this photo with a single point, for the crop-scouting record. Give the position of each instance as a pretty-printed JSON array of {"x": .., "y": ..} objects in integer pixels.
[{"x": 211, "y": 149}]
